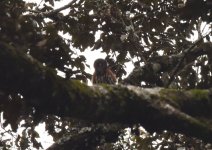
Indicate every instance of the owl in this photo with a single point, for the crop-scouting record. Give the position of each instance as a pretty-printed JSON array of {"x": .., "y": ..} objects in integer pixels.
[{"x": 102, "y": 73}]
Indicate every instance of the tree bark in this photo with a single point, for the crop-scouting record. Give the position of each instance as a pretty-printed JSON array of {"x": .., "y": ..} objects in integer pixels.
[
  {"x": 167, "y": 64},
  {"x": 155, "y": 109}
]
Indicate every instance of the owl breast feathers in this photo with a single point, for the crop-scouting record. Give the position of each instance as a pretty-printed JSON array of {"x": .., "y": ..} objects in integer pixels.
[
  {"x": 103, "y": 73},
  {"x": 108, "y": 78}
]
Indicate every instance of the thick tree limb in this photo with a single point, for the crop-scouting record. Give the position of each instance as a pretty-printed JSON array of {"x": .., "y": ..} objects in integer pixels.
[
  {"x": 87, "y": 139},
  {"x": 184, "y": 55},
  {"x": 51, "y": 94},
  {"x": 151, "y": 72}
]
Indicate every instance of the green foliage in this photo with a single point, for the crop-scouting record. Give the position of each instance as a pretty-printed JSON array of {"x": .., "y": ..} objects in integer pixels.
[{"x": 164, "y": 140}]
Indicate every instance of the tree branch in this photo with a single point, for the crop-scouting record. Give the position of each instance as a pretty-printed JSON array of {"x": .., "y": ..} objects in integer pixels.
[
  {"x": 87, "y": 140},
  {"x": 51, "y": 94},
  {"x": 59, "y": 9},
  {"x": 151, "y": 72},
  {"x": 187, "y": 51},
  {"x": 51, "y": 13}
]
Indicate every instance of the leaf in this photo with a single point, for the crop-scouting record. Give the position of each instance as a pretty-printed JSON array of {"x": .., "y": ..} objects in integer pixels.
[
  {"x": 208, "y": 38},
  {"x": 124, "y": 37},
  {"x": 122, "y": 56},
  {"x": 36, "y": 144},
  {"x": 42, "y": 43},
  {"x": 51, "y": 2},
  {"x": 97, "y": 44},
  {"x": 83, "y": 40}
]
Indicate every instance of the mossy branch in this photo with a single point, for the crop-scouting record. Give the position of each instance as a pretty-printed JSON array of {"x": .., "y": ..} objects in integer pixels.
[{"x": 155, "y": 109}]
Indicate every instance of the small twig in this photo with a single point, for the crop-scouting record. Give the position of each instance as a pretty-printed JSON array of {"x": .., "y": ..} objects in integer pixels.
[
  {"x": 39, "y": 4},
  {"x": 33, "y": 11},
  {"x": 47, "y": 14},
  {"x": 198, "y": 29},
  {"x": 59, "y": 9}
]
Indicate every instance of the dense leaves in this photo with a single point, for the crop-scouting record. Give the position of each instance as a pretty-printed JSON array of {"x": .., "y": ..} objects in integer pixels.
[{"x": 168, "y": 42}]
